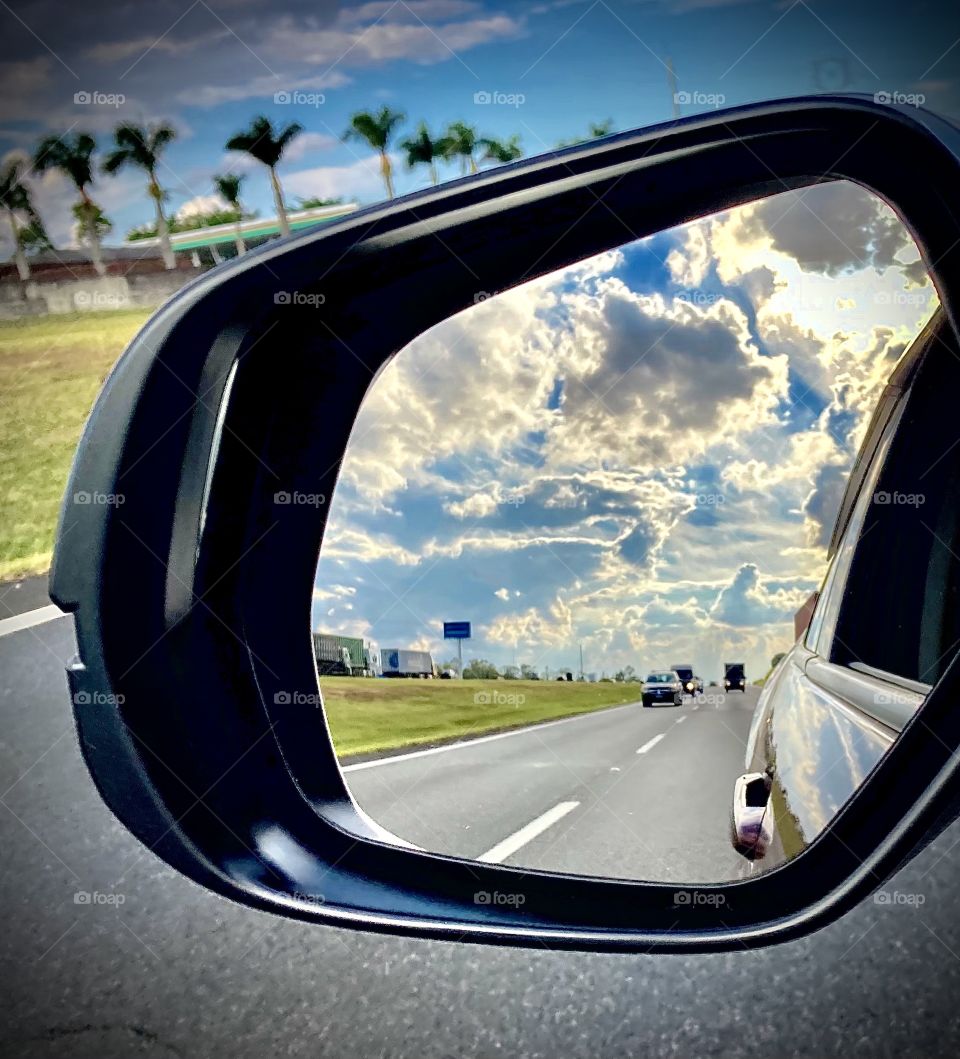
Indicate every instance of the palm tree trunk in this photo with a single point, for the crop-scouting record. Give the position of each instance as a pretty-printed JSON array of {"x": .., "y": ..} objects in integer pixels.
[
  {"x": 23, "y": 266},
  {"x": 163, "y": 233},
  {"x": 238, "y": 238},
  {"x": 96, "y": 255},
  {"x": 473, "y": 165},
  {"x": 386, "y": 171},
  {"x": 434, "y": 175},
  {"x": 278, "y": 199},
  {"x": 90, "y": 219}
]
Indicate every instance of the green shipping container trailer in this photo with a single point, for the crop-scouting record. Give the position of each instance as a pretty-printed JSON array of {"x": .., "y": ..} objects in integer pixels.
[{"x": 344, "y": 656}]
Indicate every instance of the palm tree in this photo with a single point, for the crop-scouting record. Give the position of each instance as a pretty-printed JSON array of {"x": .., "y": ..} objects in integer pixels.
[
  {"x": 596, "y": 130},
  {"x": 73, "y": 156},
  {"x": 262, "y": 141},
  {"x": 15, "y": 198},
  {"x": 599, "y": 129},
  {"x": 377, "y": 130},
  {"x": 422, "y": 149},
  {"x": 229, "y": 189},
  {"x": 463, "y": 143},
  {"x": 497, "y": 152},
  {"x": 142, "y": 147}
]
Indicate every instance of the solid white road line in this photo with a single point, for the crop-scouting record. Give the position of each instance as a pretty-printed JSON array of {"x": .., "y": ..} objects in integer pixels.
[
  {"x": 526, "y": 834},
  {"x": 29, "y": 619},
  {"x": 650, "y": 744},
  {"x": 461, "y": 744}
]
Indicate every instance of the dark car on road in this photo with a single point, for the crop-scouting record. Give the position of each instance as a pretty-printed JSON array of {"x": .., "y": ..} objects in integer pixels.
[
  {"x": 688, "y": 679},
  {"x": 663, "y": 688}
]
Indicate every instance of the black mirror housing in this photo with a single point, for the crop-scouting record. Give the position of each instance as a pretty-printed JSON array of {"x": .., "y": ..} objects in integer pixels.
[{"x": 191, "y": 587}]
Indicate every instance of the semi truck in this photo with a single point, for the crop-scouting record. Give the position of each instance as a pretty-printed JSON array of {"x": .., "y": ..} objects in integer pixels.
[
  {"x": 344, "y": 656},
  {"x": 735, "y": 676},
  {"x": 398, "y": 662}
]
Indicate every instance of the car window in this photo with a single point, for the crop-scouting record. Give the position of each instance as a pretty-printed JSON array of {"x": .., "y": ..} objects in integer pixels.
[
  {"x": 898, "y": 612},
  {"x": 821, "y": 631}
]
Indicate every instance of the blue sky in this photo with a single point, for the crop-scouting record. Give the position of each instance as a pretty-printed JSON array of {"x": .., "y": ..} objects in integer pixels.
[
  {"x": 209, "y": 66},
  {"x": 643, "y": 454}
]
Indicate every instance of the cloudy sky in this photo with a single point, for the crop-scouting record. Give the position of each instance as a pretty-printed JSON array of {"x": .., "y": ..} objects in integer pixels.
[
  {"x": 209, "y": 65},
  {"x": 643, "y": 454}
]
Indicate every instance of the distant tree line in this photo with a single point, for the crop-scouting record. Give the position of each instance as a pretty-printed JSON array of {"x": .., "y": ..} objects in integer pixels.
[{"x": 142, "y": 147}]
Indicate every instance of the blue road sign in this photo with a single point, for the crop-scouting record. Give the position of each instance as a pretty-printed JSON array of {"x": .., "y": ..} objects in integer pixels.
[{"x": 456, "y": 630}]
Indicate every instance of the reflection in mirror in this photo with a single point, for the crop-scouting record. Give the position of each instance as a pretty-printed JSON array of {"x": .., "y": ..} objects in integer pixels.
[{"x": 617, "y": 485}]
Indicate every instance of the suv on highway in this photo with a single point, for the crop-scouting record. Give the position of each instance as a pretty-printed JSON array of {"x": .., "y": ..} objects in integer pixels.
[{"x": 662, "y": 688}]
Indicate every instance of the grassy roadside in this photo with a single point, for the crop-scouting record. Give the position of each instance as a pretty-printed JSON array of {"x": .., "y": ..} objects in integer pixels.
[
  {"x": 367, "y": 715},
  {"x": 51, "y": 369}
]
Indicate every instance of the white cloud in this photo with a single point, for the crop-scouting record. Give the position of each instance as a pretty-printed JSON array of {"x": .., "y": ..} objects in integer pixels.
[{"x": 359, "y": 180}]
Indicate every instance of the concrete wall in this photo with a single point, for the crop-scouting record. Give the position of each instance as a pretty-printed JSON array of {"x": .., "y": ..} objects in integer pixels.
[{"x": 143, "y": 290}]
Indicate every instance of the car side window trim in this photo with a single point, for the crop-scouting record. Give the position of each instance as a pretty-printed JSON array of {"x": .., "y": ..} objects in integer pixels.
[
  {"x": 899, "y": 381},
  {"x": 827, "y": 611},
  {"x": 887, "y": 699}
]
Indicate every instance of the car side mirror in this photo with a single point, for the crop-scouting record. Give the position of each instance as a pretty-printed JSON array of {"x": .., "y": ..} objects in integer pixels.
[{"x": 195, "y": 689}]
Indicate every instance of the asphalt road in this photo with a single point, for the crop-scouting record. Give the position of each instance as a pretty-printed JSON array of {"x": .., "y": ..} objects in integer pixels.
[
  {"x": 175, "y": 971},
  {"x": 627, "y": 793}
]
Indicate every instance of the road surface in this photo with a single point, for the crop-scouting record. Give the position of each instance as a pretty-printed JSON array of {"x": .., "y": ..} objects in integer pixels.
[
  {"x": 627, "y": 792},
  {"x": 174, "y": 971}
]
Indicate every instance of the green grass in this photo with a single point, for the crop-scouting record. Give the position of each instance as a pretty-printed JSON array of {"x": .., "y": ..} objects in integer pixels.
[
  {"x": 367, "y": 715},
  {"x": 51, "y": 369}
]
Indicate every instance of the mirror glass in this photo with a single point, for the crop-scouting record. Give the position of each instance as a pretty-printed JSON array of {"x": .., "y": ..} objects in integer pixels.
[{"x": 580, "y": 527}]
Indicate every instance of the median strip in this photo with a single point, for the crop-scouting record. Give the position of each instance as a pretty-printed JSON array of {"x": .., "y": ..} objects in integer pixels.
[{"x": 526, "y": 834}]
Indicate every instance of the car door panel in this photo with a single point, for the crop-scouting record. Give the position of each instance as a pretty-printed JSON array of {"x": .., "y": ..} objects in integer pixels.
[{"x": 817, "y": 749}]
